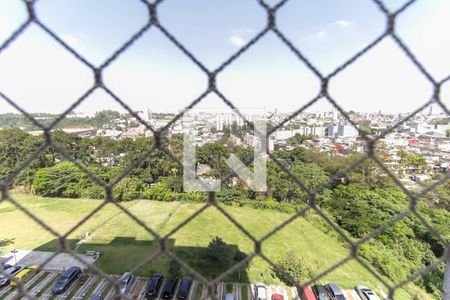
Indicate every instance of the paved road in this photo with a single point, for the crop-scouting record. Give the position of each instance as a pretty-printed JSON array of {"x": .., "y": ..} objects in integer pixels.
[
  {"x": 141, "y": 294},
  {"x": 47, "y": 294},
  {"x": 351, "y": 295},
  {"x": 236, "y": 291},
  {"x": 191, "y": 294},
  {"x": 295, "y": 295},
  {"x": 41, "y": 285},
  {"x": 111, "y": 293},
  {"x": 221, "y": 290},
  {"x": 5, "y": 290},
  {"x": 204, "y": 292},
  {"x": 130, "y": 292},
  {"x": 101, "y": 287},
  {"x": 82, "y": 291},
  {"x": 193, "y": 290}
]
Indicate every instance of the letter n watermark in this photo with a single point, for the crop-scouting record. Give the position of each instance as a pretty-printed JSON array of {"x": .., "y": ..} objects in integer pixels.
[{"x": 256, "y": 179}]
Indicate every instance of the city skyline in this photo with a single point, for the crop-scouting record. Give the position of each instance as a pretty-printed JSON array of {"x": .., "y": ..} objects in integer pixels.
[{"x": 432, "y": 109}]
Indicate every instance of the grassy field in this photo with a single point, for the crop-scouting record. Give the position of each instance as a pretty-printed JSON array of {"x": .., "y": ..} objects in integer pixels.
[{"x": 124, "y": 243}]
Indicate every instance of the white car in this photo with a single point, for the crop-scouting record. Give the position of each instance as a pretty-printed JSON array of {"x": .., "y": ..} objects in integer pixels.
[
  {"x": 125, "y": 282},
  {"x": 260, "y": 291},
  {"x": 365, "y": 293},
  {"x": 229, "y": 296}
]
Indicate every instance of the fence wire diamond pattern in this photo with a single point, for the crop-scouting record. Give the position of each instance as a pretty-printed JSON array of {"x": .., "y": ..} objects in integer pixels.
[{"x": 153, "y": 23}]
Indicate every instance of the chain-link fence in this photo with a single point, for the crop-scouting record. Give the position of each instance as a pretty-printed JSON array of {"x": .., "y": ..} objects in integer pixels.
[{"x": 153, "y": 23}]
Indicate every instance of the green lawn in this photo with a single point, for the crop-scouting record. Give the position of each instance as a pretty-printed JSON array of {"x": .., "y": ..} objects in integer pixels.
[{"x": 124, "y": 243}]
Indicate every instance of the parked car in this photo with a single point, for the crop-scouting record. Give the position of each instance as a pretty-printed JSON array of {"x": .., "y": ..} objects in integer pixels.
[
  {"x": 6, "y": 266},
  {"x": 66, "y": 279},
  {"x": 10, "y": 272},
  {"x": 277, "y": 293},
  {"x": 260, "y": 291},
  {"x": 96, "y": 297},
  {"x": 153, "y": 286},
  {"x": 365, "y": 293},
  {"x": 320, "y": 292},
  {"x": 335, "y": 292},
  {"x": 24, "y": 275},
  {"x": 125, "y": 282},
  {"x": 306, "y": 293},
  {"x": 277, "y": 297},
  {"x": 185, "y": 287},
  {"x": 169, "y": 288},
  {"x": 229, "y": 296}
]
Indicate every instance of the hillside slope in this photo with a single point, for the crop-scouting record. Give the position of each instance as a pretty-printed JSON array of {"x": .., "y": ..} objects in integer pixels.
[{"x": 124, "y": 243}]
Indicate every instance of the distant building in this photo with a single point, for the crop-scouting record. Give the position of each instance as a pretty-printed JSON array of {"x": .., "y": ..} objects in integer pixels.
[{"x": 342, "y": 131}]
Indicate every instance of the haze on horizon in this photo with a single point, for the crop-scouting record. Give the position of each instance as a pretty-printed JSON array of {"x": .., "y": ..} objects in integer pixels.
[{"x": 41, "y": 76}]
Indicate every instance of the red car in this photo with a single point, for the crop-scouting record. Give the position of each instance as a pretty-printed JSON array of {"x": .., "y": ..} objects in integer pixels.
[
  {"x": 306, "y": 293},
  {"x": 277, "y": 297}
]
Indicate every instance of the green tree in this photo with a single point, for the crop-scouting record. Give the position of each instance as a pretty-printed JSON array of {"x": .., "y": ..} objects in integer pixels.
[
  {"x": 15, "y": 147},
  {"x": 218, "y": 255},
  {"x": 412, "y": 160},
  {"x": 298, "y": 268},
  {"x": 214, "y": 155},
  {"x": 129, "y": 188},
  {"x": 298, "y": 139},
  {"x": 61, "y": 180}
]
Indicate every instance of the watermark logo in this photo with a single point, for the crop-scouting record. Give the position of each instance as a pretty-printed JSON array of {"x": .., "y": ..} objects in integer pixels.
[{"x": 255, "y": 178}]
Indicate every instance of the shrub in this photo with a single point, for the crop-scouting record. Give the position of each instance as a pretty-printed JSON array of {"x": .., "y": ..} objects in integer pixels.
[
  {"x": 129, "y": 188},
  {"x": 295, "y": 266},
  {"x": 93, "y": 192},
  {"x": 61, "y": 180},
  {"x": 159, "y": 192}
]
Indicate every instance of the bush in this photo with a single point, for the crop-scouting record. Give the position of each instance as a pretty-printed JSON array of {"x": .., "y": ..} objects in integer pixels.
[
  {"x": 41, "y": 182},
  {"x": 159, "y": 192},
  {"x": 93, "y": 192},
  {"x": 296, "y": 267},
  {"x": 129, "y": 188},
  {"x": 61, "y": 180}
]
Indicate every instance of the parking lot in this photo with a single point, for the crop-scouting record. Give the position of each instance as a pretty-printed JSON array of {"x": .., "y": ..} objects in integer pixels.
[{"x": 41, "y": 284}]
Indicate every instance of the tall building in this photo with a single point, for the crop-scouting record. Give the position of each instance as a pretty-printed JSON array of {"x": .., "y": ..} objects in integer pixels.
[{"x": 342, "y": 130}]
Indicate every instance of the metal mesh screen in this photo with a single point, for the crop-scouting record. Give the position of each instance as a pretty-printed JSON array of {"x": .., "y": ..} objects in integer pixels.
[{"x": 153, "y": 23}]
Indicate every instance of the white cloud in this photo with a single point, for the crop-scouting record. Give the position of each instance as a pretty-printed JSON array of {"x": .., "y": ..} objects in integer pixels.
[
  {"x": 240, "y": 36},
  {"x": 320, "y": 35},
  {"x": 343, "y": 23},
  {"x": 237, "y": 40},
  {"x": 70, "y": 40}
]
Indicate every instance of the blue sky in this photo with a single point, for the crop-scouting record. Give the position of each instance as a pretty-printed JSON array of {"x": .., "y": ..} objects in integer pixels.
[{"x": 153, "y": 73}]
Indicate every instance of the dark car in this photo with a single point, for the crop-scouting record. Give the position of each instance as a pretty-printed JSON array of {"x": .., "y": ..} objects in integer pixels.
[
  {"x": 125, "y": 281},
  {"x": 320, "y": 292},
  {"x": 66, "y": 279},
  {"x": 335, "y": 292},
  {"x": 169, "y": 288},
  {"x": 10, "y": 272},
  {"x": 185, "y": 287},
  {"x": 6, "y": 266},
  {"x": 96, "y": 297},
  {"x": 153, "y": 286}
]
